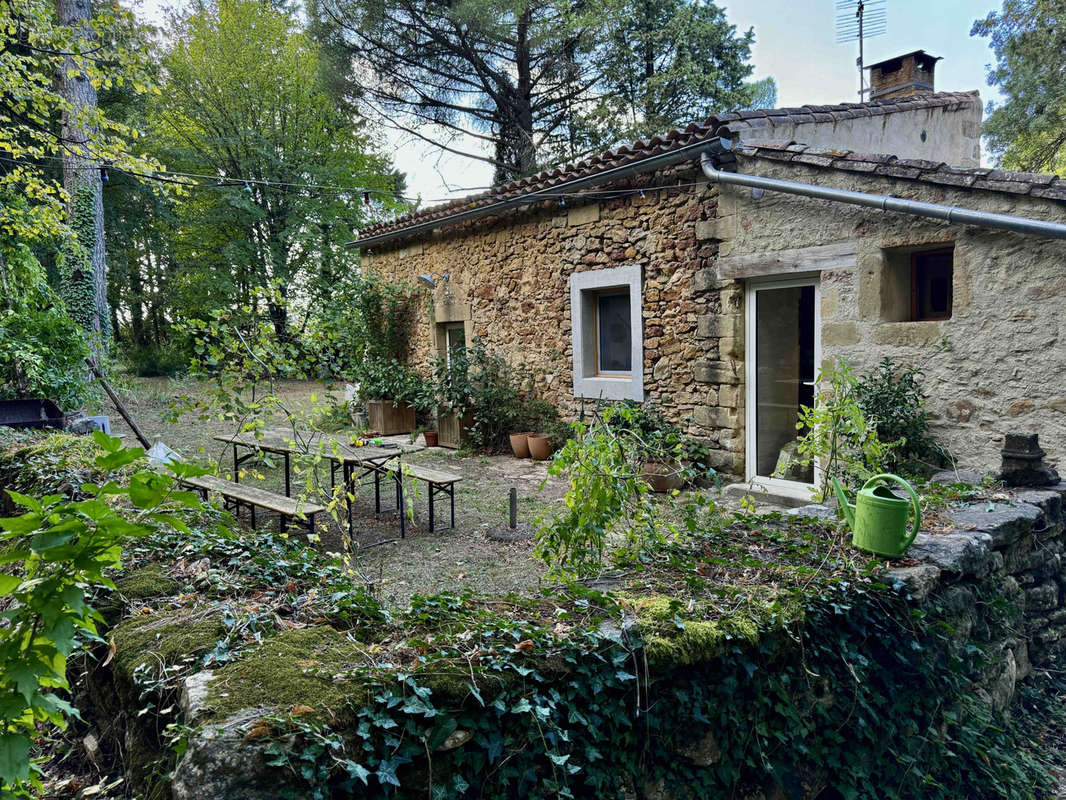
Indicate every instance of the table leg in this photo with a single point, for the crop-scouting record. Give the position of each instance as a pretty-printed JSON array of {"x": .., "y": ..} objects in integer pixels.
[
  {"x": 399, "y": 503},
  {"x": 236, "y": 465},
  {"x": 451, "y": 494},
  {"x": 431, "y": 508},
  {"x": 288, "y": 489},
  {"x": 346, "y": 474}
]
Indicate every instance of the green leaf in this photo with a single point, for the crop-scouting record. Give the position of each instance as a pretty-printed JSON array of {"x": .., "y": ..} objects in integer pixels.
[
  {"x": 25, "y": 502},
  {"x": 8, "y": 584},
  {"x": 14, "y": 757}
]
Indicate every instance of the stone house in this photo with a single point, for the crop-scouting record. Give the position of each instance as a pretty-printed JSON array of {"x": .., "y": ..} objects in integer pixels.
[{"x": 631, "y": 274}]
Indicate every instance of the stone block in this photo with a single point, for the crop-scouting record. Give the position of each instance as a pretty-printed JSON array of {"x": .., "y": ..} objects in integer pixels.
[
  {"x": 583, "y": 215},
  {"x": 1021, "y": 658},
  {"x": 1003, "y": 523},
  {"x": 960, "y": 411},
  {"x": 1050, "y": 502},
  {"x": 714, "y": 372},
  {"x": 708, "y": 326},
  {"x": 720, "y": 229},
  {"x": 830, "y": 303},
  {"x": 704, "y": 752},
  {"x": 729, "y": 396},
  {"x": 969, "y": 476},
  {"x": 870, "y": 293},
  {"x": 661, "y": 370},
  {"x": 704, "y": 280},
  {"x": 813, "y": 511},
  {"x": 714, "y": 417},
  {"x": 1044, "y": 597},
  {"x": 918, "y": 581},
  {"x": 840, "y": 334},
  {"x": 908, "y": 334},
  {"x": 965, "y": 553},
  {"x": 731, "y": 346}
]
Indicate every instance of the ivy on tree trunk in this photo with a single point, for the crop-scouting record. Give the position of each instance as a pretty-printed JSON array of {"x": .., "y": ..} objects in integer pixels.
[{"x": 85, "y": 268}]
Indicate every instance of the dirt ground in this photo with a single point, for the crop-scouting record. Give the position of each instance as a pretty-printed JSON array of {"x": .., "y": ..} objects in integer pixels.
[{"x": 422, "y": 562}]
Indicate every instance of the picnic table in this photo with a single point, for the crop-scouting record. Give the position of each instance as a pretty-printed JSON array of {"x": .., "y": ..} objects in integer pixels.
[{"x": 371, "y": 459}]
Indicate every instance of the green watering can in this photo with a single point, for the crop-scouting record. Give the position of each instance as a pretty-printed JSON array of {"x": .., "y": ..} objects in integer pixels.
[{"x": 878, "y": 520}]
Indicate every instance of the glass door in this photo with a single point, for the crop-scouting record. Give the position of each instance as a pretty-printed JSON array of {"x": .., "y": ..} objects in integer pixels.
[{"x": 783, "y": 353}]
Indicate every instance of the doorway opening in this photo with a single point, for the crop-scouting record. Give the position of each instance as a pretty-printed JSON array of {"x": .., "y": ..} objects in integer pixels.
[{"x": 784, "y": 351}]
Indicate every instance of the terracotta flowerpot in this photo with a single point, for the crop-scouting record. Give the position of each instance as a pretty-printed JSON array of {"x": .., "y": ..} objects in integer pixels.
[
  {"x": 431, "y": 438},
  {"x": 520, "y": 444},
  {"x": 540, "y": 446},
  {"x": 663, "y": 476}
]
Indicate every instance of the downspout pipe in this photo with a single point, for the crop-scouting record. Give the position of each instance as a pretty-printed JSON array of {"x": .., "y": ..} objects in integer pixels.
[{"x": 950, "y": 214}]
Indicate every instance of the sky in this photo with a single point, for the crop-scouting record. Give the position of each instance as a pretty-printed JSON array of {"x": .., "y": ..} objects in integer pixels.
[{"x": 795, "y": 43}]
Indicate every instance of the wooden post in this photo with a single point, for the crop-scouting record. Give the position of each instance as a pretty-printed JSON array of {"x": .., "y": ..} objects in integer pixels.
[{"x": 514, "y": 508}]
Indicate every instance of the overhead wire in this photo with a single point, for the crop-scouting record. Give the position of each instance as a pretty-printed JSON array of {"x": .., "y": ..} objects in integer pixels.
[{"x": 225, "y": 182}]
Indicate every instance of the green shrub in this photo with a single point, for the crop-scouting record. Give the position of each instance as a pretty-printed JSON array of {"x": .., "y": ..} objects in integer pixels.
[
  {"x": 58, "y": 549},
  {"x": 42, "y": 354},
  {"x": 155, "y": 361},
  {"x": 479, "y": 382},
  {"x": 836, "y": 435},
  {"x": 892, "y": 400}
]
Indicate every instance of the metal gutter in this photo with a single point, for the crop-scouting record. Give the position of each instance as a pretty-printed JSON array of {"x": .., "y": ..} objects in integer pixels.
[
  {"x": 950, "y": 214},
  {"x": 686, "y": 153}
]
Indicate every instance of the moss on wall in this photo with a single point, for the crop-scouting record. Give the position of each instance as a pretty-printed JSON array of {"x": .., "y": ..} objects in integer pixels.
[{"x": 314, "y": 667}]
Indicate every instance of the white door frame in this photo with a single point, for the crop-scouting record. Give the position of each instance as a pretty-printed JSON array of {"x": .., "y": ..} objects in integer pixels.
[{"x": 750, "y": 374}]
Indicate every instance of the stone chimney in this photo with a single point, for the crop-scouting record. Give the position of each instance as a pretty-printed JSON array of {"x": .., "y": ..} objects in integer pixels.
[{"x": 903, "y": 76}]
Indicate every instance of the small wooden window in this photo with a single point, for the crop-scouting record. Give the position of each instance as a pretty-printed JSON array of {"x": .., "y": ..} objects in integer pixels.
[
  {"x": 931, "y": 284},
  {"x": 614, "y": 333}
]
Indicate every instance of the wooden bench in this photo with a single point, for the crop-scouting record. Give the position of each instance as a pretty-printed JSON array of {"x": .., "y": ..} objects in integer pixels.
[
  {"x": 237, "y": 494},
  {"x": 439, "y": 482}
]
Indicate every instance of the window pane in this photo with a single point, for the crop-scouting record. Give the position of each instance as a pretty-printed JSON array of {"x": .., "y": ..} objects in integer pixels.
[
  {"x": 614, "y": 333},
  {"x": 932, "y": 278},
  {"x": 456, "y": 337}
]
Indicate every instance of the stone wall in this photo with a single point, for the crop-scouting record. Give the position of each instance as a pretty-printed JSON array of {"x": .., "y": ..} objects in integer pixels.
[
  {"x": 509, "y": 284},
  {"x": 995, "y": 365},
  {"x": 1012, "y": 549}
]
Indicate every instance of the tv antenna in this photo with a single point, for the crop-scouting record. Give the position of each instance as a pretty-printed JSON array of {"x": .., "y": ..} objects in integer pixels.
[{"x": 860, "y": 20}]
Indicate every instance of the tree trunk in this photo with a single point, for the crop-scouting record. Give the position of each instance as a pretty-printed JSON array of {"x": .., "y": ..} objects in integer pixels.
[
  {"x": 515, "y": 146},
  {"x": 81, "y": 177}
]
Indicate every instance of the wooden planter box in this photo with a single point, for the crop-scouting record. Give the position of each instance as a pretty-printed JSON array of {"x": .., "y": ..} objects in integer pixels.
[
  {"x": 386, "y": 417},
  {"x": 454, "y": 432}
]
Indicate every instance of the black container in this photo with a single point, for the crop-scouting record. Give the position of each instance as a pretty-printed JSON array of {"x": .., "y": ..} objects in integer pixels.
[{"x": 31, "y": 414}]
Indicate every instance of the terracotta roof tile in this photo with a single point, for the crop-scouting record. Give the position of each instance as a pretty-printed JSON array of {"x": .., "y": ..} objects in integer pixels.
[
  {"x": 719, "y": 125},
  {"x": 1034, "y": 184}
]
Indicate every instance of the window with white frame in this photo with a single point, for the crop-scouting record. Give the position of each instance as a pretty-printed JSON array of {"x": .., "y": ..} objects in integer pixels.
[
  {"x": 608, "y": 343},
  {"x": 455, "y": 339}
]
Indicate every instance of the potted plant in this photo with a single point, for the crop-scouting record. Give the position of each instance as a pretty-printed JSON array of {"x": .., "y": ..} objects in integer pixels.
[
  {"x": 389, "y": 388},
  {"x": 663, "y": 469}
]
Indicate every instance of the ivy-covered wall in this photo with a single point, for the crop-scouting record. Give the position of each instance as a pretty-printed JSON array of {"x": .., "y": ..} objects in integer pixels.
[{"x": 903, "y": 683}]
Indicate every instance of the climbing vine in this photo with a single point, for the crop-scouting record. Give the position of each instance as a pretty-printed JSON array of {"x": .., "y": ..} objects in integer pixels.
[{"x": 75, "y": 262}]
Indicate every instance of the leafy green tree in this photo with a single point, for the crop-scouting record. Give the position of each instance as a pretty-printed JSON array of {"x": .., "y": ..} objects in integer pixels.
[
  {"x": 1027, "y": 131},
  {"x": 670, "y": 62},
  {"x": 539, "y": 81},
  {"x": 244, "y": 100},
  {"x": 53, "y": 60}
]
